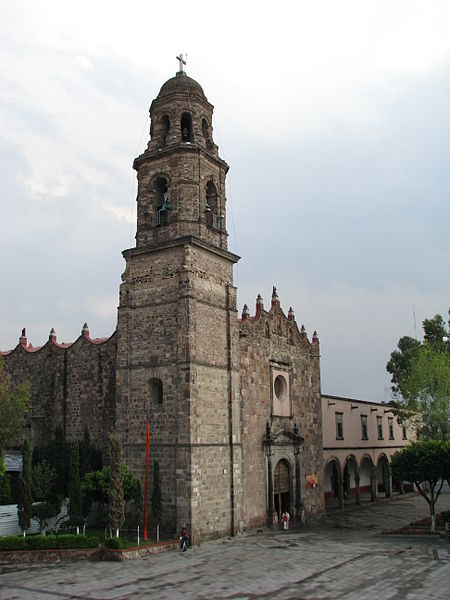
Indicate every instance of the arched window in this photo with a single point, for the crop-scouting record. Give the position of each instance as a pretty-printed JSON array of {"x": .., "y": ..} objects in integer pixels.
[
  {"x": 211, "y": 197},
  {"x": 155, "y": 392},
  {"x": 161, "y": 202},
  {"x": 214, "y": 218},
  {"x": 186, "y": 127},
  {"x": 165, "y": 127},
  {"x": 205, "y": 129}
]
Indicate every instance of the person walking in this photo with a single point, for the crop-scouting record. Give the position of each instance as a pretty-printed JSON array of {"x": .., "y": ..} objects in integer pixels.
[
  {"x": 184, "y": 538},
  {"x": 286, "y": 518}
]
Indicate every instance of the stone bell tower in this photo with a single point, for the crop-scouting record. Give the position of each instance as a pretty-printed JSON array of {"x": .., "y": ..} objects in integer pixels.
[{"x": 177, "y": 355}]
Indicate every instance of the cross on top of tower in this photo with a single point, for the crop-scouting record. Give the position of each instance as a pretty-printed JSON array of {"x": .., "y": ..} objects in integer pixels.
[{"x": 182, "y": 61}]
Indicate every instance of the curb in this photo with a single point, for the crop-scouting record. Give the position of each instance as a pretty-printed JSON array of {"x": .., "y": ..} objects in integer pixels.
[
  {"x": 11, "y": 557},
  {"x": 119, "y": 555}
]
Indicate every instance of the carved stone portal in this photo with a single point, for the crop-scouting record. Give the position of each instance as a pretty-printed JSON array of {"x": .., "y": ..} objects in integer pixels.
[{"x": 282, "y": 450}]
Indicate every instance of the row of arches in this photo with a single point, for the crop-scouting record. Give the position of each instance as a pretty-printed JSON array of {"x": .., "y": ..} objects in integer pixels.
[
  {"x": 160, "y": 202},
  {"x": 180, "y": 129},
  {"x": 355, "y": 481}
]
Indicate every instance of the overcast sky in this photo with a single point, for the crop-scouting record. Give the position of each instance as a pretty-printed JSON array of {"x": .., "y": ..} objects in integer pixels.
[{"x": 333, "y": 116}]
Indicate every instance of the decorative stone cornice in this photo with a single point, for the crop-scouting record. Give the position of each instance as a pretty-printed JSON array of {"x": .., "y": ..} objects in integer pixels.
[
  {"x": 283, "y": 437},
  {"x": 154, "y": 155},
  {"x": 182, "y": 241}
]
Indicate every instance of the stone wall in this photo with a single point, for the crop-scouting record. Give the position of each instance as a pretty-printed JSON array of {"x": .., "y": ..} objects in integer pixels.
[{"x": 72, "y": 385}]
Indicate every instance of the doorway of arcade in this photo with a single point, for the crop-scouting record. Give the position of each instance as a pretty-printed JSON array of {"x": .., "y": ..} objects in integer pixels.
[{"x": 282, "y": 488}]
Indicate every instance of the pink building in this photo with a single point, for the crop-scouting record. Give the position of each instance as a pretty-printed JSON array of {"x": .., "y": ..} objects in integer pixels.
[{"x": 359, "y": 439}]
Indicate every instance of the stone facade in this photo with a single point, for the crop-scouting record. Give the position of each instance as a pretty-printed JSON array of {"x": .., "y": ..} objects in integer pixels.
[
  {"x": 72, "y": 385},
  {"x": 280, "y": 408},
  {"x": 233, "y": 404}
]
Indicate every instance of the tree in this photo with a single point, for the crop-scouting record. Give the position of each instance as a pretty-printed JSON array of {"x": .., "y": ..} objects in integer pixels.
[
  {"x": 116, "y": 503},
  {"x": 427, "y": 393},
  {"x": 399, "y": 365},
  {"x": 5, "y": 489},
  {"x": 421, "y": 374},
  {"x": 137, "y": 497},
  {"x": 48, "y": 501},
  {"x": 435, "y": 331},
  {"x": 5, "y": 482},
  {"x": 424, "y": 462},
  {"x": 75, "y": 502},
  {"x": 25, "y": 504},
  {"x": 156, "y": 502},
  {"x": 58, "y": 460},
  {"x": 14, "y": 399},
  {"x": 85, "y": 453},
  {"x": 95, "y": 485}
]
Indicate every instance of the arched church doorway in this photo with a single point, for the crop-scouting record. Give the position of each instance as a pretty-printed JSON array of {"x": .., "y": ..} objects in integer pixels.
[{"x": 282, "y": 488}]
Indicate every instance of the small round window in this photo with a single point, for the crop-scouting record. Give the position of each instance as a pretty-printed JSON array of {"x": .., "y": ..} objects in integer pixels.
[{"x": 280, "y": 388}]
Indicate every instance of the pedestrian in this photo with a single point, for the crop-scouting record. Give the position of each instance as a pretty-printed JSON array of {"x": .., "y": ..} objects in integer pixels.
[
  {"x": 184, "y": 538},
  {"x": 286, "y": 517}
]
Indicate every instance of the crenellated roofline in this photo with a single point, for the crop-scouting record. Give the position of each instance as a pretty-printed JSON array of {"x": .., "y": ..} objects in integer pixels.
[
  {"x": 25, "y": 346},
  {"x": 261, "y": 315}
]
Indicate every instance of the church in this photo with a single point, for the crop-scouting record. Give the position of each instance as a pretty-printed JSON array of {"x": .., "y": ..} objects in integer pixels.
[{"x": 233, "y": 401}]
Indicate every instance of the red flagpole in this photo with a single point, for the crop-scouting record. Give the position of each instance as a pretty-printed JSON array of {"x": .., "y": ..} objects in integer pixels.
[{"x": 146, "y": 481}]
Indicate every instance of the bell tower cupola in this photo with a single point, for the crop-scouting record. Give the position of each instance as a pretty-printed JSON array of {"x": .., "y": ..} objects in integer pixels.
[{"x": 181, "y": 178}]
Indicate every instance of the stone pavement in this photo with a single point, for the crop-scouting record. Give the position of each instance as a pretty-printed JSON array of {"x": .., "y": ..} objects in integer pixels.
[{"x": 342, "y": 555}]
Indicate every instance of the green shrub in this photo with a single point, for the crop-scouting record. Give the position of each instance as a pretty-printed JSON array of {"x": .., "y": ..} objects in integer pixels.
[
  {"x": 40, "y": 542},
  {"x": 443, "y": 518},
  {"x": 69, "y": 540},
  {"x": 77, "y": 541},
  {"x": 116, "y": 543},
  {"x": 48, "y": 542},
  {"x": 93, "y": 541},
  {"x": 12, "y": 542}
]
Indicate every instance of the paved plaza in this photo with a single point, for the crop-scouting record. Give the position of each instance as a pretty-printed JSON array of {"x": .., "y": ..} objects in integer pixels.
[{"x": 343, "y": 555}]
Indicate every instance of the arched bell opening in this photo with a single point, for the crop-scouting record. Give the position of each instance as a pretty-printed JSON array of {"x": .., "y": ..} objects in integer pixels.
[
  {"x": 165, "y": 128},
  {"x": 205, "y": 129},
  {"x": 214, "y": 218},
  {"x": 211, "y": 197},
  {"x": 161, "y": 201},
  {"x": 186, "y": 127},
  {"x": 282, "y": 488}
]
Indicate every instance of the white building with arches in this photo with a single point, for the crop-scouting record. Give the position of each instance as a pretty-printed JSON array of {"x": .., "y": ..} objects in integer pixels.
[{"x": 359, "y": 440}]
